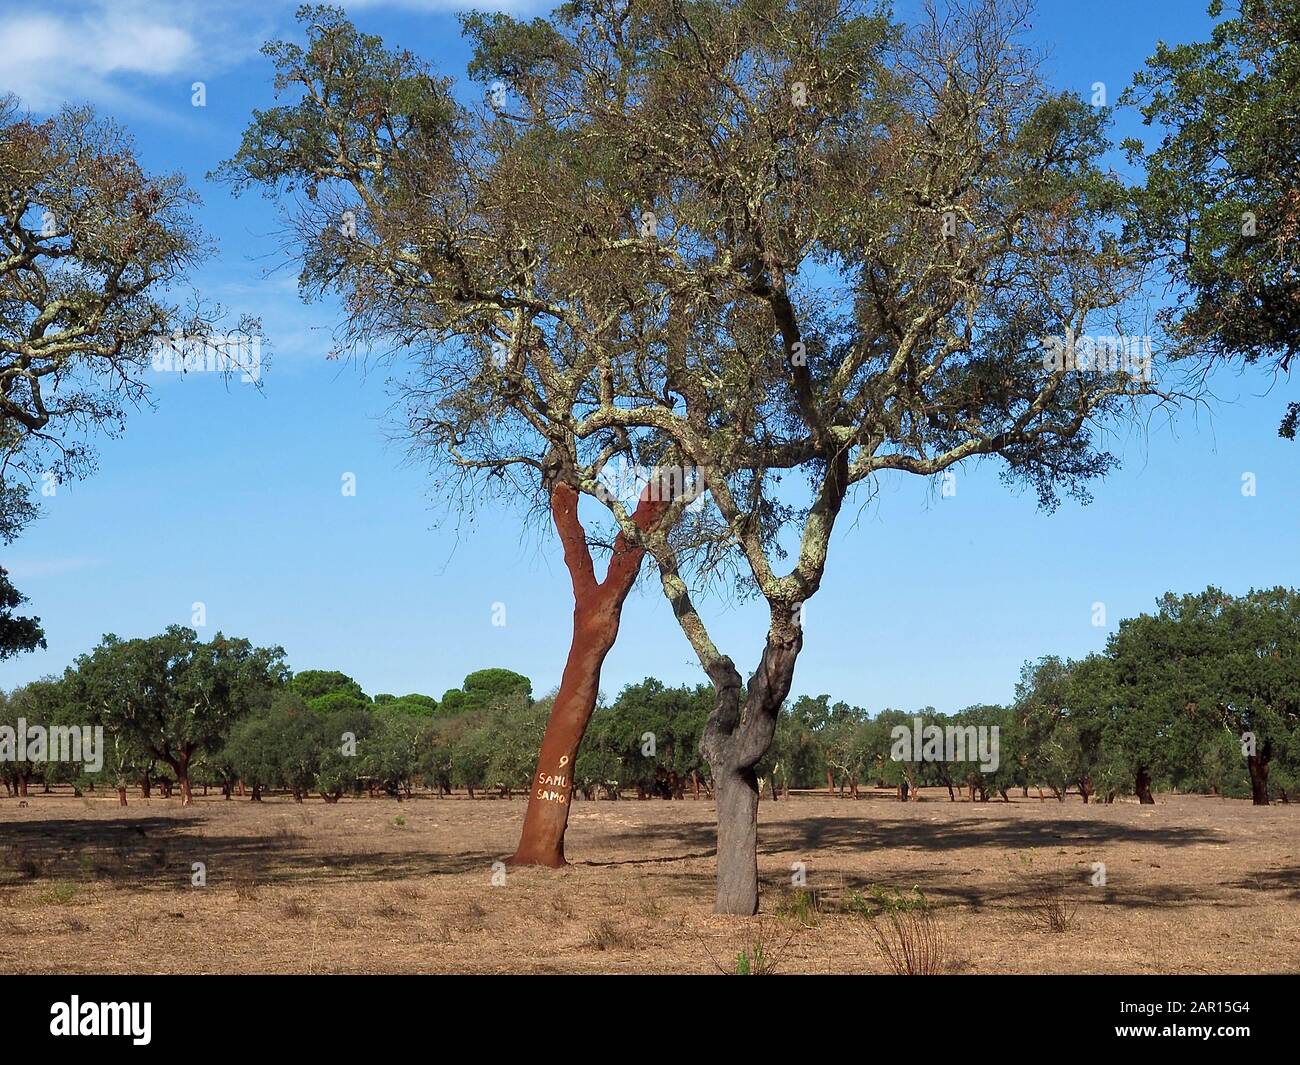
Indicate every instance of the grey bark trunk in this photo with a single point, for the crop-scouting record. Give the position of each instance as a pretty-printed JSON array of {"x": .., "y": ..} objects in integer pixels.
[
  {"x": 735, "y": 739},
  {"x": 737, "y": 792}
]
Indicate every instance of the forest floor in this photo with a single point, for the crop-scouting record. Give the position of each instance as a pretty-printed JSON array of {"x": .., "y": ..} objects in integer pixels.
[{"x": 1192, "y": 885}]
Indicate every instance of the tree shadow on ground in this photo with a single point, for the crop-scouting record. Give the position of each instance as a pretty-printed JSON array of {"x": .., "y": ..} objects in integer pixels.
[
  {"x": 1019, "y": 890},
  {"x": 158, "y": 852},
  {"x": 856, "y": 833},
  {"x": 1284, "y": 881}
]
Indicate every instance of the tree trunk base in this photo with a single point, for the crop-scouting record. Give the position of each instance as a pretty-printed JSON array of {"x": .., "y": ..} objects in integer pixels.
[
  {"x": 737, "y": 792},
  {"x": 528, "y": 856}
]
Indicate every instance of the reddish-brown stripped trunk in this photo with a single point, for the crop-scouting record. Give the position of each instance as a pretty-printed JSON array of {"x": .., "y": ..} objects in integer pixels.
[
  {"x": 180, "y": 765},
  {"x": 1142, "y": 787},
  {"x": 597, "y": 608},
  {"x": 1258, "y": 766}
]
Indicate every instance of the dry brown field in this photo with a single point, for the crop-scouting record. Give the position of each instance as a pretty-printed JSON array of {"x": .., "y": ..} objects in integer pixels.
[{"x": 1194, "y": 884}]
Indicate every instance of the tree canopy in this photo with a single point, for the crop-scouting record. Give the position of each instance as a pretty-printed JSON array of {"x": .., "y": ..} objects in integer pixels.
[
  {"x": 173, "y": 695},
  {"x": 17, "y": 634},
  {"x": 91, "y": 250},
  {"x": 1219, "y": 201}
]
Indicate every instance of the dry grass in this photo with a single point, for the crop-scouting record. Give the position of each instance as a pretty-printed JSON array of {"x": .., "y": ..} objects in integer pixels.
[
  {"x": 295, "y": 909},
  {"x": 909, "y": 936},
  {"x": 246, "y": 886},
  {"x": 391, "y": 910},
  {"x": 1194, "y": 884},
  {"x": 559, "y": 909},
  {"x": 1049, "y": 908},
  {"x": 606, "y": 935},
  {"x": 757, "y": 948}
]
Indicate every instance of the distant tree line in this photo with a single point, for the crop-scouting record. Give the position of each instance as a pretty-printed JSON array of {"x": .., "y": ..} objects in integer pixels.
[{"x": 1203, "y": 695}]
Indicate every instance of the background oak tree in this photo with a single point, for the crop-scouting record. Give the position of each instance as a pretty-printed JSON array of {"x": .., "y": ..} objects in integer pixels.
[{"x": 174, "y": 696}]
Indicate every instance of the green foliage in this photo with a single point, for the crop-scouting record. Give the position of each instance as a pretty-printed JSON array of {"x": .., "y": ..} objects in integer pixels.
[
  {"x": 613, "y": 753},
  {"x": 287, "y": 146},
  {"x": 1171, "y": 701},
  {"x": 17, "y": 634},
  {"x": 485, "y": 688},
  {"x": 796, "y": 757},
  {"x": 313, "y": 684},
  {"x": 1204, "y": 664},
  {"x": 338, "y": 702},
  {"x": 846, "y": 742},
  {"x": 253, "y": 754},
  {"x": 494, "y": 747},
  {"x": 345, "y": 741},
  {"x": 36, "y": 704},
  {"x": 1219, "y": 203},
  {"x": 799, "y": 906},
  {"x": 413, "y": 705},
  {"x": 94, "y": 246},
  {"x": 393, "y": 756},
  {"x": 173, "y": 696}
]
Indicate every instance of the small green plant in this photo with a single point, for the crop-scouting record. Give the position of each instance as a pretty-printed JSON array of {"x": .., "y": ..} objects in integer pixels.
[
  {"x": 858, "y": 904},
  {"x": 762, "y": 948},
  {"x": 890, "y": 900},
  {"x": 753, "y": 962},
  {"x": 878, "y": 901},
  {"x": 399, "y": 821},
  {"x": 801, "y": 906},
  {"x": 60, "y": 894}
]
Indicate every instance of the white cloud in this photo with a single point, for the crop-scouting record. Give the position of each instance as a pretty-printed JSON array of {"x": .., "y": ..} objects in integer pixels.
[
  {"x": 52, "y": 59},
  {"x": 106, "y": 52},
  {"x": 26, "y": 569}
]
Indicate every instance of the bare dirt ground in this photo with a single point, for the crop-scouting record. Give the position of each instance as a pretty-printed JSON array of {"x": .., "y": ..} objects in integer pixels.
[{"x": 1193, "y": 884}]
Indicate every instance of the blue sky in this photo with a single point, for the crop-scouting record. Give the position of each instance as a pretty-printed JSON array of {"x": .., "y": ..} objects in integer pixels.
[{"x": 230, "y": 496}]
